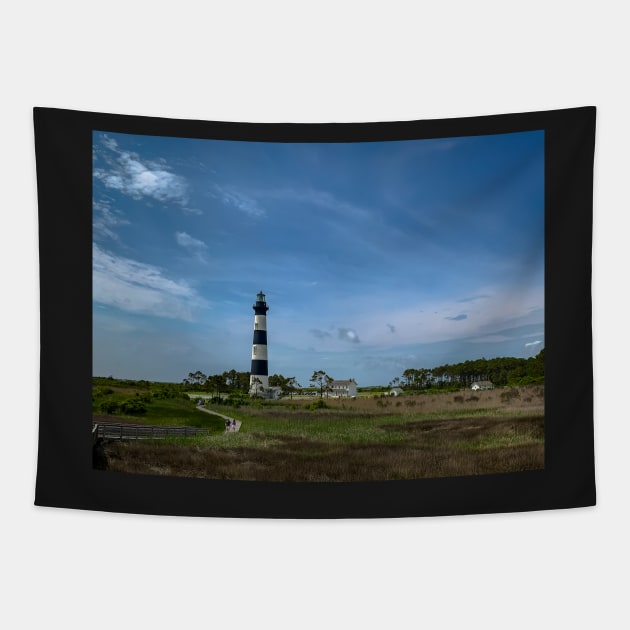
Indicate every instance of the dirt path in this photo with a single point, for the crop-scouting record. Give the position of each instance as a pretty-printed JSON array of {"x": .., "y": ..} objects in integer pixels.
[{"x": 231, "y": 425}]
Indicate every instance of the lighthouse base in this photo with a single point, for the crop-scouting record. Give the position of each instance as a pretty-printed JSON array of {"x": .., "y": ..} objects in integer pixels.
[{"x": 258, "y": 385}]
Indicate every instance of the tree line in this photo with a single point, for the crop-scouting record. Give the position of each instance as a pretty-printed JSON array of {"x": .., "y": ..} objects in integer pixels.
[
  {"x": 500, "y": 371},
  {"x": 235, "y": 382}
]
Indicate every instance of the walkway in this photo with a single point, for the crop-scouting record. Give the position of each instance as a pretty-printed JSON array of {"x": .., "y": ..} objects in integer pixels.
[{"x": 231, "y": 425}]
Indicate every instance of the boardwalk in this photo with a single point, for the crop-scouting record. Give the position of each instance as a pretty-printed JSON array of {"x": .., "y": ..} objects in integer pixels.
[
  {"x": 127, "y": 431},
  {"x": 123, "y": 431}
]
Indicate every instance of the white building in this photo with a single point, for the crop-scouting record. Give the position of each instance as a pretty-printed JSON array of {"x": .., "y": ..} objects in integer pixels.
[
  {"x": 344, "y": 389},
  {"x": 481, "y": 385}
]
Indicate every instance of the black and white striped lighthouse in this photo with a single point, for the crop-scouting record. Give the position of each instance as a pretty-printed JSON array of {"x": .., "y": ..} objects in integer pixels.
[{"x": 259, "y": 378}]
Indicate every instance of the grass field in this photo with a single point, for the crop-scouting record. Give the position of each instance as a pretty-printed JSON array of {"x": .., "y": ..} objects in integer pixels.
[{"x": 364, "y": 439}]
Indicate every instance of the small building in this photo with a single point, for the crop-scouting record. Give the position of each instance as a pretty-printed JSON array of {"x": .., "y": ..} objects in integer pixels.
[
  {"x": 270, "y": 393},
  {"x": 481, "y": 385},
  {"x": 343, "y": 389},
  {"x": 396, "y": 391},
  {"x": 273, "y": 392}
]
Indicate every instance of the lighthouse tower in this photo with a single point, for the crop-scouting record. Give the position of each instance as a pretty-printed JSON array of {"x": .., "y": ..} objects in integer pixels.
[{"x": 259, "y": 379}]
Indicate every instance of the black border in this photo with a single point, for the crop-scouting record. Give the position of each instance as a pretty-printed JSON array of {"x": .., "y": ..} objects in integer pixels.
[{"x": 65, "y": 477}]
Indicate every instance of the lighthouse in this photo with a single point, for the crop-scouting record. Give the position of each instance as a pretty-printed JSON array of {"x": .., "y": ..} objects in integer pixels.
[{"x": 259, "y": 379}]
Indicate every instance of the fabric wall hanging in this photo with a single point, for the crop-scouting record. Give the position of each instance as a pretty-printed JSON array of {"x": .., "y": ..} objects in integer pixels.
[{"x": 315, "y": 320}]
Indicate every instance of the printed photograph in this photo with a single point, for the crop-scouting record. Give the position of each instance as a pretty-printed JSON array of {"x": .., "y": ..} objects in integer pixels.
[{"x": 318, "y": 312}]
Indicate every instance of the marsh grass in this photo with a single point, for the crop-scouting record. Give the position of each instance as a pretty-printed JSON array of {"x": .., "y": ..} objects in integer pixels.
[{"x": 355, "y": 440}]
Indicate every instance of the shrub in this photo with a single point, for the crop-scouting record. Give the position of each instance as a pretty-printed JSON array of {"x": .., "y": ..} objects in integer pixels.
[
  {"x": 109, "y": 407},
  {"x": 318, "y": 404},
  {"x": 133, "y": 406},
  {"x": 235, "y": 400},
  {"x": 509, "y": 394}
]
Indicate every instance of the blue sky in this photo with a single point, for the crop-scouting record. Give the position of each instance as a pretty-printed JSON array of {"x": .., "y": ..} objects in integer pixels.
[{"x": 374, "y": 257}]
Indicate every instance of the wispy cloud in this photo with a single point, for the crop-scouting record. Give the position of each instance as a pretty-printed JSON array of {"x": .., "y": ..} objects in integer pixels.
[
  {"x": 533, "y": 343},
  {"x": 392, "y": 328},
  {"x": 457, "y": 318},
  {"x": 474, "y": 298},
  {"x": 137, "y": 287},
  {"x": 242, "y": 202},
  {"x": 320, "y": 334},
  {"x": 323, "y": 200},
  {"x": 128, "y": 173},
  {"x": 194, "y": 246},
  {"x": 490, "y": 339},
  {"x": 105, "y": 219}
]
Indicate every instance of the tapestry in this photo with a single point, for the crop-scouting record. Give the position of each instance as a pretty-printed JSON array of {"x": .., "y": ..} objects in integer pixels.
[{"x": 333, "y": 320}]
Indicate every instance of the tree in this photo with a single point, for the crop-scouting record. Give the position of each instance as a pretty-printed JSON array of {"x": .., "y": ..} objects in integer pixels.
[
  {"x": 195, "y": 379},
  {"x": 290, "y": 386},
  {"x": 242, "y": 381},
  {"x": 277, "y": 380},
  {"x": 231, "y": 378},
  {"x": 257, "y": 385},
  {"x": 216, "y": 383},
  {"x": 321, "y": 380}
]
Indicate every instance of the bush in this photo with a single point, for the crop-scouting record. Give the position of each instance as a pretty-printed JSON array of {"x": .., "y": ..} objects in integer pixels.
[
  {"x": 509, "y": 394},
  {"x": 109, "y": 407},
  {"x": 236, "y": 399},
  {"x": 99, "y": 392},
  {"x": 318, "y": 404},
  {"x": 133, "y": 406}
]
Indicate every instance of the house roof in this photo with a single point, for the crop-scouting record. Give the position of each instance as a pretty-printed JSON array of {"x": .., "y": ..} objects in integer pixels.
[
  {"x": 343, "y": 382},
  {"x": 482, "y": 383}
]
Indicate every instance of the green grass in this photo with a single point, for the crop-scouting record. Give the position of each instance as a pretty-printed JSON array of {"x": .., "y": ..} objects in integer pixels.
[
  {"x": 346, "y": 441},
  {"x": 159, "y": 411}
]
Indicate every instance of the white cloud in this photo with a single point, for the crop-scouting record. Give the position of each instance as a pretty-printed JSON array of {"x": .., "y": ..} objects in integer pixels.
[
  {"x": 347, "y": 334},
  {"x": 243, "y": 203},
  {"x": 194, "y": 246},
  {"x": 141, "y": 288},
  {"x": 127, "y": 173},
  {"x": 422, "y": 321},
  {"x": 533, "y": 343},
  {"x": 187, "y": 241},
  {"x": 105, "y": 219}
]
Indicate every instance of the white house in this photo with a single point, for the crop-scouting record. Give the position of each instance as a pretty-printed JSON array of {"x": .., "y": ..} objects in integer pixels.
[
  {"x": 481, "y": 385},
  {"x": 396, "y": 391},
  {"x": 344, "y": 389}
]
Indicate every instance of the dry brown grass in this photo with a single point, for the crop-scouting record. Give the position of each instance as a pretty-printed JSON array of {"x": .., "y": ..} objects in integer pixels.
[{"x": 362, "y": 439}]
